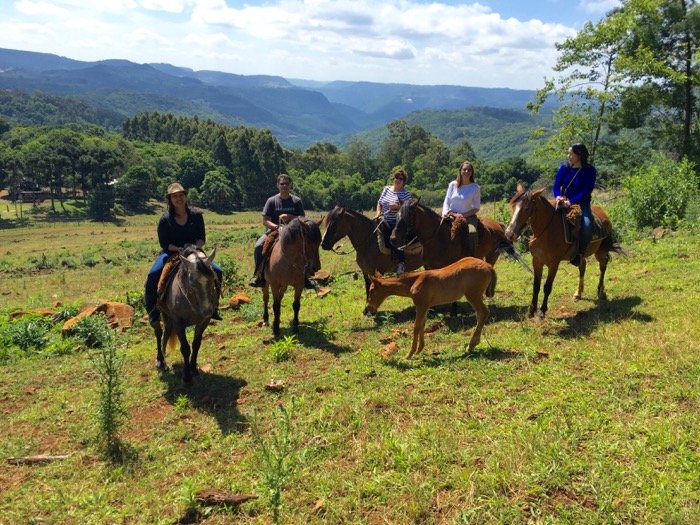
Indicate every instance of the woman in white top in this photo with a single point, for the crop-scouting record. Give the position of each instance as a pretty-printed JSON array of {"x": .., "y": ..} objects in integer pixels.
[
  {"x": 464, "y": 197},
  {"x": 388, "y": 208}
]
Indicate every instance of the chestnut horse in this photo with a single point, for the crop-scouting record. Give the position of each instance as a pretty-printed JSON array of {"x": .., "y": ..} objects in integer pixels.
[
  {"x": 189, "y": 298},
  {"x": 434, "y": 233},
  {"x": 293, "y": 256},
  {"x": 548, "y": 246},
  {"x": 362, "y": 232},
  {"x": 469, "y": 277}
]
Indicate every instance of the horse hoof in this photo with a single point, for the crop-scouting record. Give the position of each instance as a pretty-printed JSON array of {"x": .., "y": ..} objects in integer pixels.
[
  {"x": 160, "y": 365},
  {"x": 577, "y": 297},
  {"x": 195, "y": 372},
  {"x": 540, "y": 315}
]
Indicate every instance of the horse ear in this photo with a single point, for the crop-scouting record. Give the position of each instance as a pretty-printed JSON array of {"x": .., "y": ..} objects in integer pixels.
[
  {"x": 417, "y": 201},
  {"x": 210, "y": 259},
  {"x": 519, "y": 188}
]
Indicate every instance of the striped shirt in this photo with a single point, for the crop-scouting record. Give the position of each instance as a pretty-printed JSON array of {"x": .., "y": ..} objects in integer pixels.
[{"x": 388, "y": 197}]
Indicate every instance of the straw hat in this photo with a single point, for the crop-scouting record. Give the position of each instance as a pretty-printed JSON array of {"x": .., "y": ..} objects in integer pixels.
[{"x": 175, "y": 187}]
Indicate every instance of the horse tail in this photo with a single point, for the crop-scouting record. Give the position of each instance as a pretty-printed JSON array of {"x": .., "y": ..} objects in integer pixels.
[
  {"x": 491, "y": 289},
  {"x": 611, "y": 245},
  {"x": 172, "y": 341}
]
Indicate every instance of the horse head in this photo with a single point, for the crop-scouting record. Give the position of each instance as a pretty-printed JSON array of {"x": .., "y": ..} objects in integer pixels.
[
  {"x": 405, "y": 221},
  {"x": 376, "y": 295},
  {"x": 522, "y": 205},
  {"x": 334, "y": 228}
]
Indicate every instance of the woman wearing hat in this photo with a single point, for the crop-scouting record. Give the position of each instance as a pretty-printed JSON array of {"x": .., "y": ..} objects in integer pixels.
[{"x": 178, "y": 226}]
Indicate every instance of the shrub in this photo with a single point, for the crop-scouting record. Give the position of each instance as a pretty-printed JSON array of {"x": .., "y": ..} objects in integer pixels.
[
  {"x": 93, "y": 331},
  {"x": 28, "y": 333},
  {"x": 658, "y": 192}
]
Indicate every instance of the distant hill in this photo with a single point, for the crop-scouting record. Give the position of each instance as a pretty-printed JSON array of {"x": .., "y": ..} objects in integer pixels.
[{"x": 298, "y": 112}]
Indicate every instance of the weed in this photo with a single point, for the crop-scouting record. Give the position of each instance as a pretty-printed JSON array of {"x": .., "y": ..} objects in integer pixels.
[
  {"x": 276, "y": 453},
  {"x": 110, "y": 409},
  {"x": 282, "y": 349},
  {"x": 93, "y": 331},
  {"x": 182, "y": 403},
  {"x": 28, "y": 333}
]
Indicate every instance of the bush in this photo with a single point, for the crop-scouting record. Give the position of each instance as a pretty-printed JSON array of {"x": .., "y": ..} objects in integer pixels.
[
  {"x": 93, "y": 331},
  {"x": 658, "y": 193}
]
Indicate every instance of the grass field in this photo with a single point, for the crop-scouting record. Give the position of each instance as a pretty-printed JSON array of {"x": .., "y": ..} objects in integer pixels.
[{"x": 587, "y": 417}]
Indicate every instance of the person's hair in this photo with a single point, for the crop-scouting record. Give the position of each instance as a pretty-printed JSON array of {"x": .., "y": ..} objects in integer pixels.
[
  {"x": 580, "y": 150},
  {"x": 284, "y": 176},
  {"x": 402, "y": 173},
  {"x": 459, "y": 173},
  {"x": 171, "y": 209}
]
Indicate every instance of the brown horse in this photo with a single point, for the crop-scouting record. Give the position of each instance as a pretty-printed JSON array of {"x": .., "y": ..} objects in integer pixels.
[
  {"x": 293, "y": 256},
  {"x": 361, "y": 231},
  {"x": 434, "y": 233},
  {"x": 469, "y": 277},
  {"x": 189, "y": 299},
  {"x": 548, "y": 246}
]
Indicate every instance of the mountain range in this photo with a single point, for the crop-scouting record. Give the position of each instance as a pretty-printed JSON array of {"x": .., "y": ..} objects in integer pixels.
[{"x": 298, "y": 112}]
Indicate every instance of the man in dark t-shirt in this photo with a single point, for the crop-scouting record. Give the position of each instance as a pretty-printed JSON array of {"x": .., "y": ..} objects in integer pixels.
[{"x": 279, "y": 209}]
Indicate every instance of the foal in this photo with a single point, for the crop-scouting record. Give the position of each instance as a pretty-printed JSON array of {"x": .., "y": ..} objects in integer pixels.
[{"x": 468, "y": 277}]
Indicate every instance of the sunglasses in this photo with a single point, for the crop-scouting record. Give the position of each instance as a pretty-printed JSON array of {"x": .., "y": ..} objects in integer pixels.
[
  {"x": 399, "y": 178},
  {"x": 284, "y": 184}
]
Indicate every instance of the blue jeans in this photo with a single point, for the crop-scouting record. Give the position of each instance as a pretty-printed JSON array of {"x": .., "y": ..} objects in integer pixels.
[
  {"x": 151, "y": 287},
  {"x": 257, "y": 251},
  {"x": 586, "y": 227}
]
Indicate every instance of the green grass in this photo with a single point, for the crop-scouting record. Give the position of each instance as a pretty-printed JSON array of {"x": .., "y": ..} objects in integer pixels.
[{"x": 587, "y": 417}]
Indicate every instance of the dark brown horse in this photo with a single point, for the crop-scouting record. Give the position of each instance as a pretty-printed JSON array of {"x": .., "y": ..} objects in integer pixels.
[
  {"x": 361, "y": 231},
  {"x": 293, "y": 256},
  {"x": 548, "y": 246},
  {"x": 190, "y": 298},
  {"x": 434, "y": 233}
]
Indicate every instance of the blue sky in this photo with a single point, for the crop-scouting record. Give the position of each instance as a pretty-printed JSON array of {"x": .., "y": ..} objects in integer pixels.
[{"x": 499, "y": 43}]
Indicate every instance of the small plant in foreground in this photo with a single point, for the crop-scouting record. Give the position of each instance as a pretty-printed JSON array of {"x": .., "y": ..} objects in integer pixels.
[
  {"x": 110, "y": 408},
  {"x": 282, "y": 349},
  {"x": 28, "y": 333},
  {"x": 93, "y": 331},
  {"x": 275, "y": 455},
  {"x": 182, "y": 402}
]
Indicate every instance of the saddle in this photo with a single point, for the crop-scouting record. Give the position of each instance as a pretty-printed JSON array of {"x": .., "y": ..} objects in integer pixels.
[
  {"x": 415, "y": 248},
  {"x": 270, "y": 241},
  {"x": 571, "y": 218}
]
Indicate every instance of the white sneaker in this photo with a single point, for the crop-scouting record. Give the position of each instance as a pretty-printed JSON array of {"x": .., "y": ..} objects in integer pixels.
[{"x": 400, "y": 268}]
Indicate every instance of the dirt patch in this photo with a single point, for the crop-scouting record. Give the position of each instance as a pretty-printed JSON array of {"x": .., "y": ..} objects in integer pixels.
[{"x": 145, "y": 419}]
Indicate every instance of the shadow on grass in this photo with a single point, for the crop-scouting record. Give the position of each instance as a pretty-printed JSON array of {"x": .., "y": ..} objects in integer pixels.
[
  {"x": 586, "y": 321},
  {"x": 315, "y": 334},
  {"x": 214, "y": 394},
  {"x": 437, "y": 359}
]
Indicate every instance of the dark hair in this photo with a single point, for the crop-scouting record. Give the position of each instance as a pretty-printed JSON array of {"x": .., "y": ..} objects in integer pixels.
[
  {"x": 401, "y": 172},
  {"x": 284, "y": 176},
  {"x": 580, "y": 150}
]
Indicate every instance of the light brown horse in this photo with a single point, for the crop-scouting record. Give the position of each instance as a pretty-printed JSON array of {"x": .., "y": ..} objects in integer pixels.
[
  {"x": 190, "y": 298},
  {"x": 293, "y": 256},
  {"x": 434, "y": 233},
  {"x": 361, "y": 231},
  {"x": 548, "y": 246},
  {"x": 469, "y": 277}
]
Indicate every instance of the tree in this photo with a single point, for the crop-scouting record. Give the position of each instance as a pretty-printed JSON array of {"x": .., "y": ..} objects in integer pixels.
[
  {"x": 136, "y": 187},
  {"x": 216, "y": 192}
]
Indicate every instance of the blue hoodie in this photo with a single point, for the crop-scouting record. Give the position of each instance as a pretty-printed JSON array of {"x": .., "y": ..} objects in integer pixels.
[{"x": 579, "y": 191}]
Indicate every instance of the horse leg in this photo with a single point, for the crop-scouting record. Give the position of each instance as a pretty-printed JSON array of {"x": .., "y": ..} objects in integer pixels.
[
  {"x": 536, "y": 283},
  {"x": 418, "y": 330},
  {"x": 185, "y": 351},
  {"x": 368, "y": 282},
  {"x": 603, "y": 259},
  {"x": 276, "y": 308},
  {"x": 581, "y": 274},
  {"x": 482, "y": 313},
  {"x": 551, "y": 274},
  {"x": 266, "y": 300},
  {"x": 296, "y": 305},
  {"x": 196, "y": 343},
  {"x": 160, "y": 358}
]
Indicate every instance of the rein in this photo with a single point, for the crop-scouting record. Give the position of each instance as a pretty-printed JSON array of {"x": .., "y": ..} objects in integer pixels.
[{"x": 415, "y": 237}]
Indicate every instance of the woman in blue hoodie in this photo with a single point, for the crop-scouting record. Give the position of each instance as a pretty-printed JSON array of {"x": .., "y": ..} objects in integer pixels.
[{"x": 573, "y": 184}]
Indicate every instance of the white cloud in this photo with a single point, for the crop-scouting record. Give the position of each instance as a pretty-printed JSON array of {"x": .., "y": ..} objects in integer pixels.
[
  {"x": 598, "y": 7},
  {"x": 376, "y": 40}
]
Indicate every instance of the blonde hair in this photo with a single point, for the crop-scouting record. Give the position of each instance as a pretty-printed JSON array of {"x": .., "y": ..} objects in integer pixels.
[{"x": 459, "y": 173}]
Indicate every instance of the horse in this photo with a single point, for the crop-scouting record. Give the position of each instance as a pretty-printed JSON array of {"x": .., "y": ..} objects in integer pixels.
[
  {"x": 434, "y": 233},
  {"x": 189, "y": 298},
  {"x": 294, "y": 255},
  {"x": 362, "y": 232},
  {"x": 469, "y": 277},
  {"x": 549, "y": 247}
]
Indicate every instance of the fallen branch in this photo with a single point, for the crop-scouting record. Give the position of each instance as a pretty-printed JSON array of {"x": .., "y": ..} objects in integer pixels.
[{"x": 31, "y": 460}]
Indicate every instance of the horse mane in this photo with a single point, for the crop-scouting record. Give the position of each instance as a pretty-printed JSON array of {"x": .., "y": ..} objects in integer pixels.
[
  {"x": 200, "y": 256},
  {"x": 298, "y": 228},
  {"x": 415, "y": 201}
]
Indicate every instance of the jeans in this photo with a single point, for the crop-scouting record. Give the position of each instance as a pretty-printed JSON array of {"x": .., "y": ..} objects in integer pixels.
[
  {"x": 151, "y": 287},
  {"x": 586, "y": 227},
  {"x": 257, "y": 252}
]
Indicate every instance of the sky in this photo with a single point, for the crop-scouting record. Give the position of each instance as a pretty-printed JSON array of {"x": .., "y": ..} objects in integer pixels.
[{"x": 499, "y": 43}]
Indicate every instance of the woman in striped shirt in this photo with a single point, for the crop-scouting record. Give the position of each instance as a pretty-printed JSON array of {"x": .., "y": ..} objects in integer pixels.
[{"x": 387, "y": 208}]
